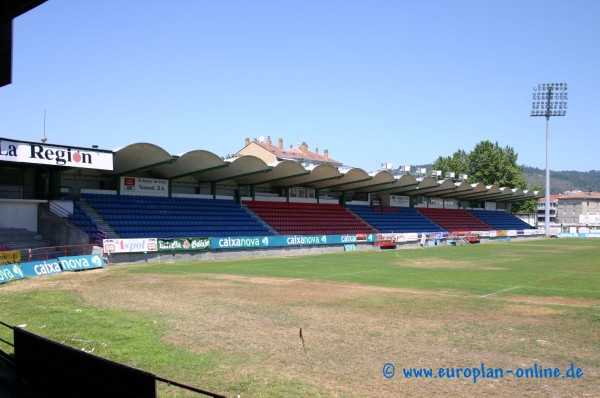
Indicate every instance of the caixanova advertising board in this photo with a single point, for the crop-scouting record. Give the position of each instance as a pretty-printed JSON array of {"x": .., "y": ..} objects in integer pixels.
[
  {"x": 47, "y": 267},
  {"x": 229, "y": 242},
  {"x": 55, "y": 155}
]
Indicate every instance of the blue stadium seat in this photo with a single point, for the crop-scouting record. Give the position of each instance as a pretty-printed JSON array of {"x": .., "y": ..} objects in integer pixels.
[{"x": 147, "y": 216}]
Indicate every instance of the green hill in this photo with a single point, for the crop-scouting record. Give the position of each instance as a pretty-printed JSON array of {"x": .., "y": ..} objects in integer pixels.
[{"x": 562, "y": 181}]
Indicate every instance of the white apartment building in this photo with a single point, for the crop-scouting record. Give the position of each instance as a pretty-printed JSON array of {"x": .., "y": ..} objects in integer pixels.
[{"x": 571, "y": 209}]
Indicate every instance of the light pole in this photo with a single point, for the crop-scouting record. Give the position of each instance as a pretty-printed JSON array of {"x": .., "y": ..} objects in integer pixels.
[{"x": 549, "y": 99}]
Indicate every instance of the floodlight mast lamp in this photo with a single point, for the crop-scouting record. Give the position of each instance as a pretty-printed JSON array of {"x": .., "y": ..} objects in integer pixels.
[{"x": 549, "y": 99}]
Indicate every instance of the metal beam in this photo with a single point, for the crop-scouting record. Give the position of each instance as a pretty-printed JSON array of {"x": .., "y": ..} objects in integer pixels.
[{"x": 148, "y": 166}]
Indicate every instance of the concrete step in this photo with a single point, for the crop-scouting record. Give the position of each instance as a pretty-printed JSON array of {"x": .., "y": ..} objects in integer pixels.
[
  {"x": 20, "y": 245},
  {"x": 20, "y": 238},
  {"x": 97, "y": 219},
  {"x": 12, "y": 232},
  {"x": 260, "y": 220}
]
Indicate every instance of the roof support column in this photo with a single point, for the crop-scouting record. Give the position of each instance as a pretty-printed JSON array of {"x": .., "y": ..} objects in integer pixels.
[
  {"x": 318, "y": 195},
  {"x": 213, "y": 189},
  {"x": 253, "y": 192}
]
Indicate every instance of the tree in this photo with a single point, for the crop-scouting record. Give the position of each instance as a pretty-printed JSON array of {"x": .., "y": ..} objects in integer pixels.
[
  {"x": 457, "y": 163},
  {"x": 489, "y": 164},
  {"x": 527, "y": 206},
  {"x": 492, "y": 165}
]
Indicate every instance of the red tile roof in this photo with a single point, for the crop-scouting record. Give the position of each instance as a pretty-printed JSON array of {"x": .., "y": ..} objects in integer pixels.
[
  {"x": 574, "y": 195},
  {"x": 298, "y": 153}
]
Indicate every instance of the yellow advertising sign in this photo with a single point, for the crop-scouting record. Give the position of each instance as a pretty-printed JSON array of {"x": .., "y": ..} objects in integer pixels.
[{"x": 10, "y": 257}]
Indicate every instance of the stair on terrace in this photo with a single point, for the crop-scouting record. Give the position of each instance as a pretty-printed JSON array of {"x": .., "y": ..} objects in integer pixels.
[
  {"x": 293, "y": 218},
  {"x": 20, "y": 238},
  {"x": 96, "y": 218},
  {"x": 26, "y": 242},
  {"x": 455, "y": 220}
]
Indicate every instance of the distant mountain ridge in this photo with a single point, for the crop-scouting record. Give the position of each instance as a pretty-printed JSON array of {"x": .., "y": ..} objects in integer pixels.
[{"x": 562, "y": 181}]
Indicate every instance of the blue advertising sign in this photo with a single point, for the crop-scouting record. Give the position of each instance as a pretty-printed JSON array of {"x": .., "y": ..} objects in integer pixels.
[
  {"x": 78, "y": 263},
  {"x": 10, "y": 272},
  {"x": 239, "y": 242},
  {"x": 248, "y": 242},
  {"x": 568, "y": 235},
  {"x": 37, "y": 268},
  {"x": 578, "y": 235}
]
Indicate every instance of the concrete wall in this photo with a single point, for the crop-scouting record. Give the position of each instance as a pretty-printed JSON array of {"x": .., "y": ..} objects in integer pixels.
[
  {"x": 19, "y": 213},
  {"x": 59, "y": 232}
]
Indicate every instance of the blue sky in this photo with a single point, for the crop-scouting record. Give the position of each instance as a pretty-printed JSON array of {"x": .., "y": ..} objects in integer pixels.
[{"x": 400, "y": 82}]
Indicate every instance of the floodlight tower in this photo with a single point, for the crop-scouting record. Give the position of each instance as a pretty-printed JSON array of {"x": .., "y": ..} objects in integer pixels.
[{"x": 549, "y": 99}]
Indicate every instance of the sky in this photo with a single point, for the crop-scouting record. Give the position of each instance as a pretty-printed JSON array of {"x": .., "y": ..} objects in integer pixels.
[{"x": 372, "y": 81}]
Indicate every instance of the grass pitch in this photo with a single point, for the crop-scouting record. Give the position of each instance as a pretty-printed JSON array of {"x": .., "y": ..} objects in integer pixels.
[{"x": 232, "y": 326}]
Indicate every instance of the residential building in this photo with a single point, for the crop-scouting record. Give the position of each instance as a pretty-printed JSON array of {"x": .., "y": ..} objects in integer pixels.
[
  {"x": 270, "y": 153},
  {"x": 572, "y": 209}
]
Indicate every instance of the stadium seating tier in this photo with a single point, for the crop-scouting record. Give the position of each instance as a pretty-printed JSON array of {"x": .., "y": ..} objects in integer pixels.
[
  {"x": 455, "y": 220},
  {"x": 395, "y": 219},
  {"x": 160, "y": 217},
  {"x": 290, "y": 218}
]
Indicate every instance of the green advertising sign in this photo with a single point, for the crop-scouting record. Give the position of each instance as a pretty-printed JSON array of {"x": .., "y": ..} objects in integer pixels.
[{"x": 177, "y": 244}]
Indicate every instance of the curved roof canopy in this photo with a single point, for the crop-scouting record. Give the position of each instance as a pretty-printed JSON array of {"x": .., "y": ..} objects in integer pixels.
[
  {"x": 136, "y": 158},
  {"x": 190, "y": 163},
  {"x": 284, "y": 170},
  {"x": 201, "y": 166}
]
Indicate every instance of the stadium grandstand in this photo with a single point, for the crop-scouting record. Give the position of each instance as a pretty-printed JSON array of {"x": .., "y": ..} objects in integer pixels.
[{"x": 143, "y": 191}]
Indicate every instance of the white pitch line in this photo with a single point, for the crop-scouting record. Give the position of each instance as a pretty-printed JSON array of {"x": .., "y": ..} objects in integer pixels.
[{"x": 500, "y": 291}]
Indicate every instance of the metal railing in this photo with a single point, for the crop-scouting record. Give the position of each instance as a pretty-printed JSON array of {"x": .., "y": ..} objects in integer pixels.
[
  {"x": 60, "y": 211},
  {"x": 49, "y": 252}
]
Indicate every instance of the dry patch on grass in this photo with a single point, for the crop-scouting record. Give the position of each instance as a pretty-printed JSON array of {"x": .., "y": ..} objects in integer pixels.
[
  {"x": 58, "y": 281},
  {"x": 530, "y": 310},
  {"x": 350, "y": 331},
  {"x": 557, "y": 248},
  {"x": 327, "y": 285},
  {"x": 566, "y": 301},
  {"x": 545, "y": 249},
  {"x": 448, "y": 264}
]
